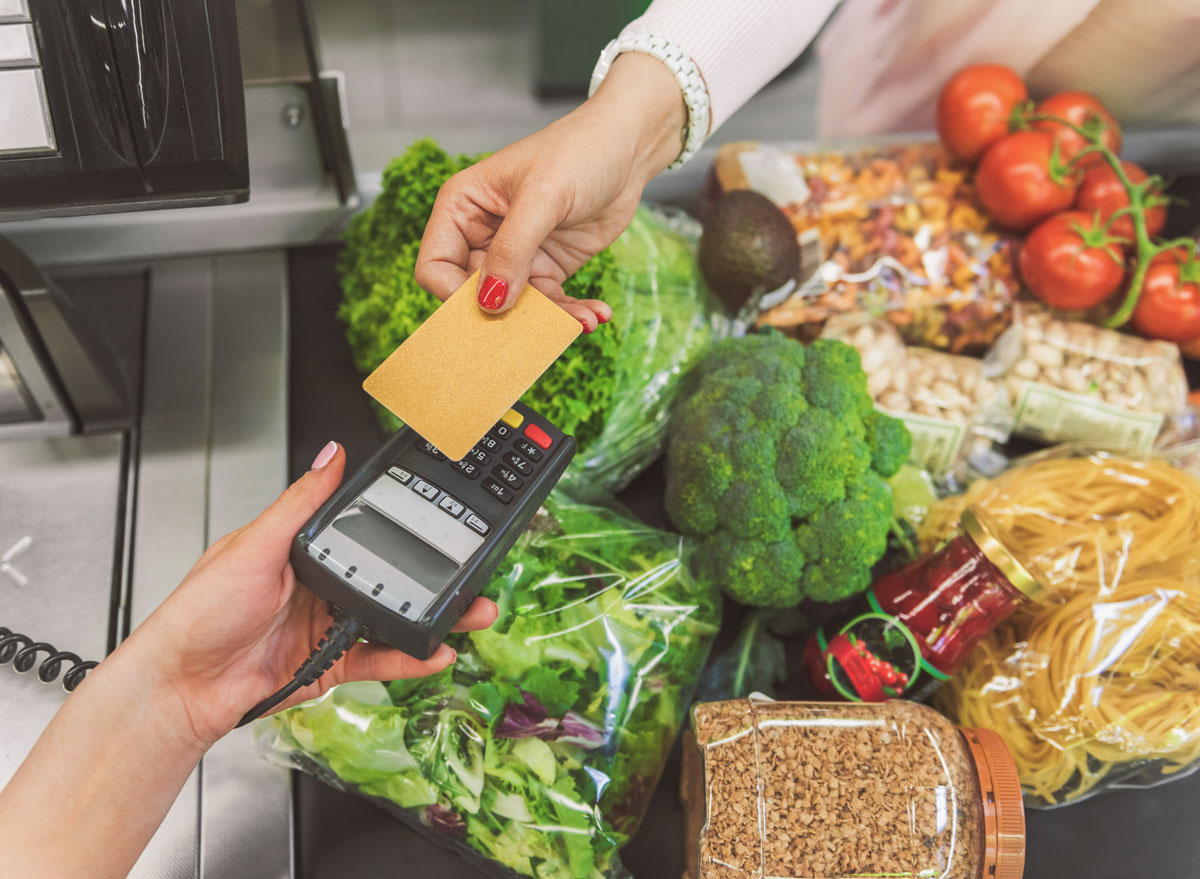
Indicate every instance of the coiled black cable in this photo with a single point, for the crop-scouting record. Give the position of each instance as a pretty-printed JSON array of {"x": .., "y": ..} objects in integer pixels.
[{"x": 22, "y": 651}]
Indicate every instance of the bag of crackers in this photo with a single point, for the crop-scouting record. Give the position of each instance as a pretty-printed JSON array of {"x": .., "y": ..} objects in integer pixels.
[{"x": 894, "y": 229}]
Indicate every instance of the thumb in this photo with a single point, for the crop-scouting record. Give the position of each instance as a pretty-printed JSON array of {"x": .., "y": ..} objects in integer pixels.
[
  {"x": 277, "y": 525},
  {"x": 510, "y": 256}
]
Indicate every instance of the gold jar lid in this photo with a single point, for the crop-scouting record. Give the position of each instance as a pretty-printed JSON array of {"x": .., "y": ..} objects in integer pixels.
[{"x": 981, "y": 529}]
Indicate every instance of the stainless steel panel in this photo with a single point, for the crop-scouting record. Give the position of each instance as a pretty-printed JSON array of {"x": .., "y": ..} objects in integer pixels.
[
  {"x": 214, "y": 444},
  {"x": 246, "y": 802},
  {"x": 18, "y": 46},
  {"x": 15, "y": 404},
  {"x": 171, "y": 521},
  {"x": 294, "y": 200},
  {"x": 24, "y": 115},
  {"x": 59, "y": 505},
  {"x": 34, "y": 405},
  {"x": 14, "y": 10},
  {"x": 272, "y": 42},
  {"x": 172, "y": 500}
]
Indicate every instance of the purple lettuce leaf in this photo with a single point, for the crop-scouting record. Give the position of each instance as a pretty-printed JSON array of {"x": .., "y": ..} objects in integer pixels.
[
  {"x": 529, "y": 719},
  {"x": 443, "y": 820}
]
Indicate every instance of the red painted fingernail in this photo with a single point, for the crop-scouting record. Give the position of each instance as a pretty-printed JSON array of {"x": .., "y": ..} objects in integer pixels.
[
  {"x": 602, "y": 318},
  {"x": 492, "y": 292},
  {"x": 586, "y": 328}
]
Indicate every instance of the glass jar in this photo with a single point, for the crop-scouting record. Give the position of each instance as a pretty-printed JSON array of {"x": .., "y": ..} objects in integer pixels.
[
  {"x": 916, "y": 626},
  {"x": 811, "y": 790}
]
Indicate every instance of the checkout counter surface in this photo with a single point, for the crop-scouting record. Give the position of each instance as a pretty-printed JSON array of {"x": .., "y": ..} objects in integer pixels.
[{"x": 1132, "y": 834}]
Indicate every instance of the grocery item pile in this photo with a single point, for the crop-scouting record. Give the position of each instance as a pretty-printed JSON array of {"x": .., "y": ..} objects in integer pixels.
[{"x": 924, "y": 407}]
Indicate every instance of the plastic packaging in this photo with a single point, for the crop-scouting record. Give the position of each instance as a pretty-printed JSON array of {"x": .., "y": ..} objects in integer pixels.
[
  {"x": 949, "y": 407},
  {"x": 806, "y": 790},
  {"x": 1072, "y": 381},
  {"x": 916, "y": 627},
  {"x": 894, "y": 229},
  {"x": 1098, "y": 684},
  {"x": 537, "y": 751},
  {"x": 666, "y": 318},
  {"x": 612, "y": 389}
]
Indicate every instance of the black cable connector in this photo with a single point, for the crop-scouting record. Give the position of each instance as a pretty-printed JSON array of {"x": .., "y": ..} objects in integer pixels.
[{"x": 338, "y": 638}]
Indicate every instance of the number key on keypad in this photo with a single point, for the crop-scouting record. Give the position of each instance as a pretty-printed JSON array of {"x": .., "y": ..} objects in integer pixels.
[
  {"x": 469, "y": 469},
  {"x": 528, "y": 449},
  {"x": 489, "y": 443},
  {"x": 501, "y": 431},
  {"x": 512, "y": 459},
  {"x": 498, "y": 491},
  {"x": 431, "y": 450},
  {"x": 479, "y": 456},
  {"x": 508, "y": 476}
]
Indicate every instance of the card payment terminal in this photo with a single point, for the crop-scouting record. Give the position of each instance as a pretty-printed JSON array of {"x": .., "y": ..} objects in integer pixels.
[{"x": 410, "y": 540}]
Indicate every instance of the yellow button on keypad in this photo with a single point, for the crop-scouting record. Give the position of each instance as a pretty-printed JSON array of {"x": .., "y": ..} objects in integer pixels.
[{"x": 512, "y": 418}]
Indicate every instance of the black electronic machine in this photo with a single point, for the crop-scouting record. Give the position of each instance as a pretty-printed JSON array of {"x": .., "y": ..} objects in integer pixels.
[{"x": 409, "y": 541}]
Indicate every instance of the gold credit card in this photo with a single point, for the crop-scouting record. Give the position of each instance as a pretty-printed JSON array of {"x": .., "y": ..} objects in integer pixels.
[{"x": 463, "y": 368}]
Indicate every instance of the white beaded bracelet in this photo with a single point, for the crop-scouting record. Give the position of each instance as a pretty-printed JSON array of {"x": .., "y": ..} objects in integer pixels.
[{"x": 687, "y": 74}]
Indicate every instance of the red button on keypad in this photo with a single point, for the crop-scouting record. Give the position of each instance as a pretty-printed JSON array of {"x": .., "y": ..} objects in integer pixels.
[{"x": 538, "y": 435}]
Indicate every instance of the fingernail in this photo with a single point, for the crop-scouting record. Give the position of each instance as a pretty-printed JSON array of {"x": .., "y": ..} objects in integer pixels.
[
  {"x": 324, "y": 456},
  {"x": 453, "y": 656},
  {"x": 602, "y": 318},
  {"x": 492, "y": 292},
  {"x": 586, "y": 328}
]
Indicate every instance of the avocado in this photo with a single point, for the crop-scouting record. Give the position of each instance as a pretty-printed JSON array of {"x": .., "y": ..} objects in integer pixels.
[{"x": 748, "y": 247}]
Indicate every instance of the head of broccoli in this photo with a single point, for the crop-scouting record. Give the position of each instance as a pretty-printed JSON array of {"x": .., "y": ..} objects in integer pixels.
[{"x": 777, "y": 461}]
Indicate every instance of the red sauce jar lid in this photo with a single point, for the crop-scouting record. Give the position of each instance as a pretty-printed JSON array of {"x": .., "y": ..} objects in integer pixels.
[{"x": 983, "y": 530}]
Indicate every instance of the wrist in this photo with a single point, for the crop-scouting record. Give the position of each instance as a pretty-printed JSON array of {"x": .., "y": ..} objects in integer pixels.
[
  {"x": 135, "y": 676},
  {"x": 643, "y": 98}
]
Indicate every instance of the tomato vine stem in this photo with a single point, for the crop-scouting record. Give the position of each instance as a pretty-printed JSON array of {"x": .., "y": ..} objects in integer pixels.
[{"x": 1140, "y": 197}]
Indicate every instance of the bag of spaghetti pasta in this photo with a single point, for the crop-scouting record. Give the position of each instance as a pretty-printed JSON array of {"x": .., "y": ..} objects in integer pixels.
[{"x": 1097, "y": 685}]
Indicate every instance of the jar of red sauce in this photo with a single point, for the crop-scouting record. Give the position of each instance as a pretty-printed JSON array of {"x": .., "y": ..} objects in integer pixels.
[{"x": 915, "y": 627}]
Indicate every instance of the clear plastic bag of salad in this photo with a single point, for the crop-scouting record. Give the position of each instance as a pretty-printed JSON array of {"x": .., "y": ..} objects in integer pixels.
[
  {"x": 536, "y": 753},
  {"x": 664, "y": 317}
]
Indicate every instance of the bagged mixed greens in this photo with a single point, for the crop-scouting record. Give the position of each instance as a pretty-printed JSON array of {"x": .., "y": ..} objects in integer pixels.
[
  {"x": 665, "y": 319},
  {"x": 611, "y": 389},
  {"x": 539, "y": 748}
]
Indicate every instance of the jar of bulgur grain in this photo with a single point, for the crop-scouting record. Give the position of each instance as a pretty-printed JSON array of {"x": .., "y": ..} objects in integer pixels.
[{"x": 813, "y": 790}]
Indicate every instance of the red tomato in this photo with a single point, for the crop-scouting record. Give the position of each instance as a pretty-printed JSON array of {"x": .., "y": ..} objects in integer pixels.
[
  {"x": 1062, "y": 270},
  {"x": 974, "y": 108},
  {"x": 1101, "y": 190},
  {"x": 1014, "y": 182},
  {"x": 1078, "y": 107},
  {"x": 1169, "y": 305},
  {"x": 1174, "y": 255}
]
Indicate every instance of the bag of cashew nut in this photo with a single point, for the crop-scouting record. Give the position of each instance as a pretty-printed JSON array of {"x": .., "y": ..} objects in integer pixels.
[
  {"x": 1071, "y": 381},
  {"x": 953, "y": 411},
  {"x": 891, "y": 228}
]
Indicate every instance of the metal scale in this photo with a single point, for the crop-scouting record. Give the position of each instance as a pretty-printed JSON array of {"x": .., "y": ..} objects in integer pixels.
[{"x": 151, "y": 176}]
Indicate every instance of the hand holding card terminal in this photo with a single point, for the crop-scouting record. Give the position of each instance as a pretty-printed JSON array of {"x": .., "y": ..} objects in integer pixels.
[{"x": 410, "y": 540}]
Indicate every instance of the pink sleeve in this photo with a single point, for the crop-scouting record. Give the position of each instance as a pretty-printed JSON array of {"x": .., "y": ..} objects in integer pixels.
[{"x": 739, "y": 45}]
